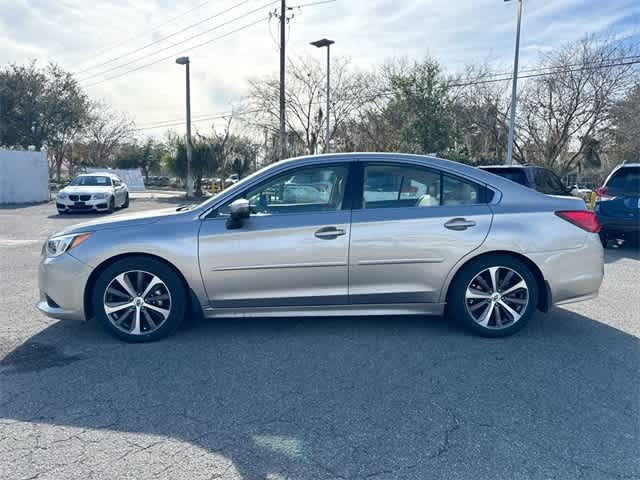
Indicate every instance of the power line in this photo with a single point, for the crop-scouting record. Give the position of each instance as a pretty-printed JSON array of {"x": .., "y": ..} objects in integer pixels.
[
  {"x": 542, "y": 74},
  {"x": 144, "y": 47},
  {"x": 113, "y": 45},
  {"x": 540, "y": 69},
  {"x": 174, "y": 54},
  {"x": 176, "y": 123},
  {"x": 181, "y": 42}
]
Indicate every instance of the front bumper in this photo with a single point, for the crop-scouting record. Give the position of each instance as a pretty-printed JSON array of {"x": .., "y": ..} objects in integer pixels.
[
  {"x": 67, "y": 205},
  {"x": 62, "y": 282}
]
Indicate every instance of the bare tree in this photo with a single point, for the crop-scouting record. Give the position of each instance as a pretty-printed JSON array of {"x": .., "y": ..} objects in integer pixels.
[
  {"x": 106, "y": 130},
  {"x": 564, "y": 112},
  {"x": 305, "y": 115},
  {"x": 625, "y": 127},
  {"x": 481, "y": 116}
]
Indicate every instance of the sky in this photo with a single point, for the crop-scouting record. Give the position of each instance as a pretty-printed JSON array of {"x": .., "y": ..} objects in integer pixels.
[{"x": 109, "y": 45}]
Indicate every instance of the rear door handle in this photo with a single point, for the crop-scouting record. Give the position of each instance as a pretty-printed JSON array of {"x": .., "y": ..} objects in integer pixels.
[
  {"x": 459, "y": 224},
  {"x": 329, "y": 233}
]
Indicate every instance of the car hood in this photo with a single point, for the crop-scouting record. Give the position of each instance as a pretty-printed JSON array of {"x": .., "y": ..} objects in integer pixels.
[
  {"x": 77, "y": 189},
  {"x": 122, "y": 220}
]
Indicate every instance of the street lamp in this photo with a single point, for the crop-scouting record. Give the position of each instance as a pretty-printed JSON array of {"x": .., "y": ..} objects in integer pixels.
[
  {"x": 514, "y": 88},
  {"x": 326, "y": 43},
  {"x": 185, "y": 61}
]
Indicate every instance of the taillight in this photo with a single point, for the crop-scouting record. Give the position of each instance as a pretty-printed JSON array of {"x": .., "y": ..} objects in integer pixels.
[
  {"x": 585, "y": 219},
  {"x": 603, "y": 194}
]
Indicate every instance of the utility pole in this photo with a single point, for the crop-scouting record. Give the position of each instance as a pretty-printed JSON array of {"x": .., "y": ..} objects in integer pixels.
[
  {"x": 283, "y": 133},
  {"x": 514, "y": 88}
]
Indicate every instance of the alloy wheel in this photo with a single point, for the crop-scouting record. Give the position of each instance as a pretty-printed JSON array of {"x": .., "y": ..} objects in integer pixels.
[
  {"x": 497, "y": 297},
  {"x": 137, "y": 302}
]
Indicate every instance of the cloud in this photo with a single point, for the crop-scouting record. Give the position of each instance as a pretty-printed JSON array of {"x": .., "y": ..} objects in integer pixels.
[{"x": 79, "y": 35}]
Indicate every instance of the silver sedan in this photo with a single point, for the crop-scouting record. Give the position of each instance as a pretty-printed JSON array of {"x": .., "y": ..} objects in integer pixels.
[{"x": 346, "y": 234}]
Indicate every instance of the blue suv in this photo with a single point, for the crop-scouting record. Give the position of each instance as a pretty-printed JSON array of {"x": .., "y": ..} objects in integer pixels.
[{"x": 618, "y": 204}]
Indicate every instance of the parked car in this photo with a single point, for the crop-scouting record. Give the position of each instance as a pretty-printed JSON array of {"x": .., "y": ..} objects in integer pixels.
[
  {"x": 618, "y": 204},
  {"x": 231, "y": 179},
  {"x": 101, "y": 192},
  {"x": 483, "y": 249},
  {"x": 532, "y": 176}
]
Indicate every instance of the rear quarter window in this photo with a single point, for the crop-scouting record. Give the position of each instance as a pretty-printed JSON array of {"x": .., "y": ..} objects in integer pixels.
[{"x": 626, "y": 179}]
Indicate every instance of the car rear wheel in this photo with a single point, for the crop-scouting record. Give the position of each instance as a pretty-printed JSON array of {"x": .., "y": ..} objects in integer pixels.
[
  {"x": 139, "y": 299},
  {"x": 494, "y": 296}
]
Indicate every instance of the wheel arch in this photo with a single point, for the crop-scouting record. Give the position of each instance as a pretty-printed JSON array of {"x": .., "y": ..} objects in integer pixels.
[
  {"x": 88, "y": 290},
  {"x": 544, "y": 292}
]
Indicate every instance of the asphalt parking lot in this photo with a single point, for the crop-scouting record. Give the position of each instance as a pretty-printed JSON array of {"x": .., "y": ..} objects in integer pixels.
[{"x": 349, "y": 398}]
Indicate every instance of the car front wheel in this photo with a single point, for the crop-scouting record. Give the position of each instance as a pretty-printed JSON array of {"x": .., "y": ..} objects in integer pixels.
[
  {"x": 139, "y": 299},
  {"x": 493, "y": 296}
]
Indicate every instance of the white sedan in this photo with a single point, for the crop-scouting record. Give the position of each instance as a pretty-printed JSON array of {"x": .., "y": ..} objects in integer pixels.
[{"x": 102, "y": 192}]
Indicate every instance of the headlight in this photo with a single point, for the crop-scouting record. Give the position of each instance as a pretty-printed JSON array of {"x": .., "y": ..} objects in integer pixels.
[
  {"x": 63, "y": 195},
  {"x": 100, "y": 196},
  {"x": 56, "y": 246}
]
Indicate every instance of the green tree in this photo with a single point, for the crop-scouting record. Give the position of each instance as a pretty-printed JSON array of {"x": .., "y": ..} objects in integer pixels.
[
  {"x": 202, "y": 161},
  {"x": 41, "y": 108},
  {"x": 146, "y": 157}
]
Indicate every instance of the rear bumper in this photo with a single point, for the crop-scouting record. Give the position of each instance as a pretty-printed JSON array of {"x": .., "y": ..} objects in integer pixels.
[
  {"x": 618, "y": 224},
  {"x": 573, "y": 275}
]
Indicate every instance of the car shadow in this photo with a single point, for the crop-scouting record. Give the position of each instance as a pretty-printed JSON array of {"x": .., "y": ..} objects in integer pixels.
[
  {"x": 387, "y": 397},
  {"x": 616, "y": 251}
]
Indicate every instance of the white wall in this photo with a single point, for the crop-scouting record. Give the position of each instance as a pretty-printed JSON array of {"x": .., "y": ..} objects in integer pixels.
[{"x": 24, "y": 177}]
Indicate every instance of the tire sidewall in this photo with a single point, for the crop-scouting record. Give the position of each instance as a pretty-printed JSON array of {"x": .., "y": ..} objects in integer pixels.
[
  {"x": 456, "y": 300},
  {"x": 166, "y": 273}
]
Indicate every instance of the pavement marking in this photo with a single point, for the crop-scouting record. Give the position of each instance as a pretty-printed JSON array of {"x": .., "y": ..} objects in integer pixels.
[{"x": 9, "y": 242}]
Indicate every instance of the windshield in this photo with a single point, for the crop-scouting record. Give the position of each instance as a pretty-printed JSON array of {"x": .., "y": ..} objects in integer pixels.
[{"x": 91, "y": 181}]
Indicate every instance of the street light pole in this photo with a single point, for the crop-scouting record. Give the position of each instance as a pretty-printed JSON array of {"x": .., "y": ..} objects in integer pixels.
[
  {"x": 185, "y": 61},
  {"x": 514, "y": 88},
  {"x": 326, "y": 43}
]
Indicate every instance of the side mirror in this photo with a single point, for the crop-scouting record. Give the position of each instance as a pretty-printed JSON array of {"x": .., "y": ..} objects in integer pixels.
[{"x": 238, "y": 211}]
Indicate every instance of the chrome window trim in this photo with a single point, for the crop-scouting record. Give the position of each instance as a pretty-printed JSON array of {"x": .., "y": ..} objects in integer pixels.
[{"x": 403, "y": 159}]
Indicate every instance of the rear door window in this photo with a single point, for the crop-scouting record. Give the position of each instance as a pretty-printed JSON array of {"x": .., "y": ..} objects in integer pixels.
[{"x": 398, "y": 186}]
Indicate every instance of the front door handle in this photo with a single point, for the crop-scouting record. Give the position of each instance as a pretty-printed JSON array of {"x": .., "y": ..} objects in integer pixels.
[
  {"x": 329, "y": 233},
  {"x": 459, "y": 224}
]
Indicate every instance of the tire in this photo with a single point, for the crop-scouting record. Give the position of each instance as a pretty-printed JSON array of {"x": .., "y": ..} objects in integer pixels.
[
  {"x": 112, "y": 205},
  {"x": 126, "y": 202},
  {"x": 476, "y": 276},
  {"x": 604, "y": 238},
  {"x": 165, "y": 303}
]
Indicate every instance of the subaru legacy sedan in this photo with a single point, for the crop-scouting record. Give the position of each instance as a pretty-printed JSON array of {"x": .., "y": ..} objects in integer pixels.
[{"x": 344, "y": 234}]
